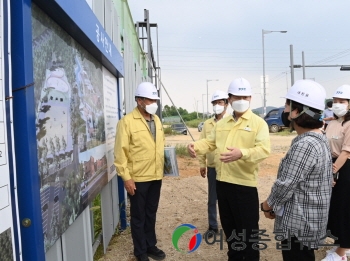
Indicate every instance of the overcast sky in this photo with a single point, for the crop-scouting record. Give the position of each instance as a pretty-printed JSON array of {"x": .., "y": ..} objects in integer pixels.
[{"x": 201, "y": 40}]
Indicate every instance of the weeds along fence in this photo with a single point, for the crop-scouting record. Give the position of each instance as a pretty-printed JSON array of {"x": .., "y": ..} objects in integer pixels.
[{"x": 181, "y": 150}]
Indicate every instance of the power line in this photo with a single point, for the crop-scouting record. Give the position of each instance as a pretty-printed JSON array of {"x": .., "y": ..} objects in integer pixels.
[{"x": 333, "y": 57}]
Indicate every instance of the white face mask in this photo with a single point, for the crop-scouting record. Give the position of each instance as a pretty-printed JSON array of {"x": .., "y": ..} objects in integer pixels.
[
  {"x": 240, "y": 105},
  {"x": 340, "y": 109},
  {"x": 151, "y": 108},
  {"x": 218, "y": 109}
]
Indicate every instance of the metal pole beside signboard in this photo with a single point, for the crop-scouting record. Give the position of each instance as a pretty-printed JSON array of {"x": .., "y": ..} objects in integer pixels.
[{"x": 10, "y": 248}]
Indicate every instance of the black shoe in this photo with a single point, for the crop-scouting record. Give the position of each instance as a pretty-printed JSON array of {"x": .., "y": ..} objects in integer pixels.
[
  {"x": 155, "y": 253},
  {"x": 142, "y": 257},
  {"x": 211, "y": 232}
]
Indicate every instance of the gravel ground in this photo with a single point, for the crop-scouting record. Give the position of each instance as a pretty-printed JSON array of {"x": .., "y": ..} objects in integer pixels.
[{"x": 184, "y": 200}]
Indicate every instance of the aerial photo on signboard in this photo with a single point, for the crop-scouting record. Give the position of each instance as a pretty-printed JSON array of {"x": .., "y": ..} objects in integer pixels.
[{"x": 70, "y": 125}]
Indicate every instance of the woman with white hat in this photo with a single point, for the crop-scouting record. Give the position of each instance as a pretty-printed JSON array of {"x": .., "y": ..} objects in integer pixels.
[
  {"x": 338, "y": 134},
  {"x": 300, "y": 197}
]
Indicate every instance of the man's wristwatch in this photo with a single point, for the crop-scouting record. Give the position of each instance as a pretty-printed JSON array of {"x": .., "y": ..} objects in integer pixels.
[{"x": 263, "y": 210}]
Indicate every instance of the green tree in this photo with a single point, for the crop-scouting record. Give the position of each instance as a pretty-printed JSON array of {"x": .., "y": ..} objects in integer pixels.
[
  {"x": 190, "y": 116},
  {"x": 171, "y": 111}
]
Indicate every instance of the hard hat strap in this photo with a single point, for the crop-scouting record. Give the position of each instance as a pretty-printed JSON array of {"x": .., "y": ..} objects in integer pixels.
[
  {"x": 290, "y": 115},
  {"x": 306, "y": 109},
  {"x": 291, "y": 109},
  {"x": 314, "y": 115}
]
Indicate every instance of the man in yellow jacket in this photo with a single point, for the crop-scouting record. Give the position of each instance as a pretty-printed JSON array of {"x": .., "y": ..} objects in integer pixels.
[
  {"x": 241, "y": 141},
  {"x": 139, "y": 160},
  {"x": 219, "y": 101}
]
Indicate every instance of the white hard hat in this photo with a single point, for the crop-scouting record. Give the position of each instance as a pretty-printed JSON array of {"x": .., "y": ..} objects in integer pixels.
[
  {"x": 240, "y": 87},
  {"x": 147, "y": 90},
  {"x": 309, "y": 93},
  {"x": 219, "y": 95},
  {"x": 343, "y": 92}
]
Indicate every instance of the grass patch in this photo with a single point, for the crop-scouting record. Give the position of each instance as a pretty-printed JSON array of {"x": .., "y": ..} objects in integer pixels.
[
  {"x": 193, "y": 123},
  {"x": 99, "y": 252},
  {"x": 168, "y": 131},
  {"x": 96, "y": 209},
  {"x": 97, "y": 219},
  {"x": 181, "y": 150}
]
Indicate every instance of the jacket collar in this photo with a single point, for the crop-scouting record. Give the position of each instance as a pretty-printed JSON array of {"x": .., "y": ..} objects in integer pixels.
[
  {"x": 247, "y": 115},
  {"x": 213, "y": 120},
  {"x": 136, "y": 113}
]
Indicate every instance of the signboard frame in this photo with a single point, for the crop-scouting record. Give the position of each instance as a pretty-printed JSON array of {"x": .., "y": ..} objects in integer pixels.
[{"x": 65, "y": 13}]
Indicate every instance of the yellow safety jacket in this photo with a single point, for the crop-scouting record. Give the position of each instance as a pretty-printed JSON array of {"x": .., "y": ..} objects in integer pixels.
[
  {"x": 207, "y": 160},
  {"x": 250, "y": 134},
  {"x": 136, "y": 155}
]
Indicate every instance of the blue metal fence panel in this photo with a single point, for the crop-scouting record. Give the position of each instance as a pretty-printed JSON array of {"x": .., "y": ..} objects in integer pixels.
[
  {"x": 8, "y": 93},
  {"x": 24, "y": 132},
  {"x": 120, "y": 188}
]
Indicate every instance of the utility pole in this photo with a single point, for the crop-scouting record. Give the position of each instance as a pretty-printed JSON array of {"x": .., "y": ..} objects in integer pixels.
[
  {"x": 203, "y": 105},
  {"x": 208, "y": 95},
  {"x": 291, "y": 66},
  {"x": 197, "y": 108},
  {"x": 303, "y": 61},
  {"x": 263, "y": 49}
]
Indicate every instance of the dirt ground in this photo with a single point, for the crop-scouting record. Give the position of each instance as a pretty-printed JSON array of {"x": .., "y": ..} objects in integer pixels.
[{"x": 184, "y": 200}]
